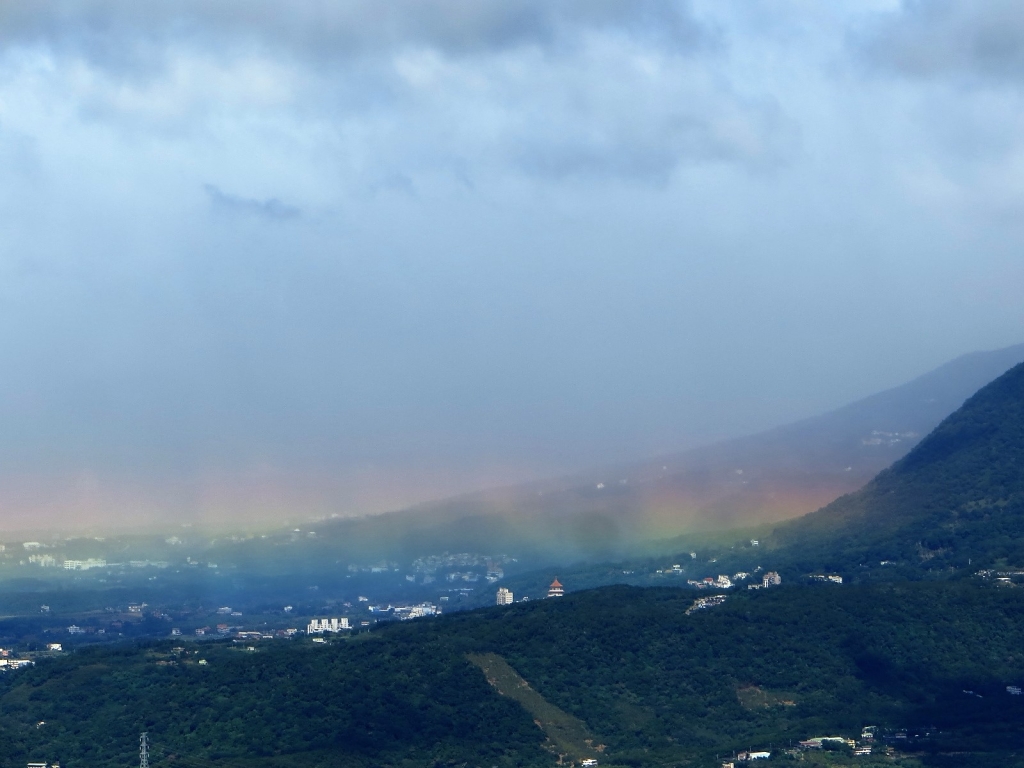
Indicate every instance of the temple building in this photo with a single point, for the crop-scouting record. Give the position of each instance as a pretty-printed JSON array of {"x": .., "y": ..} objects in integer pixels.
[{"x": 556, "y": 589}]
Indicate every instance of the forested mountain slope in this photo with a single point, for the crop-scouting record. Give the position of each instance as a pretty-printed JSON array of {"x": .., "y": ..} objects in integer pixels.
[
  {"x": 623, "y": 674},
  {"x": 955, "y": 501}
]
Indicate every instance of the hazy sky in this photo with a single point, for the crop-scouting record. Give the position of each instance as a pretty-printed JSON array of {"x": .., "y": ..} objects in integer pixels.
[{"x": 310, "y": 256}]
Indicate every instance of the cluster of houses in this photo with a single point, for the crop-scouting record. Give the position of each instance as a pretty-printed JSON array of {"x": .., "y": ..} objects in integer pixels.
[
  {"x": 819, "y": 742},
  {"x": 6, "y": 662},
  {"x": 84, "y": 565},
  {"x": 826, "y": 577},
  {"x": 406, "y": 612},
  {"x": 277, "y": 633},
  {"x": 461, "y": 567},
  {"x": 319, "y": 626},
  {"x": 861, "y": 748},
  {"x": 316, "y": 626},
  {"x": 705, "y": 602},
  {"x": 744, "y": 757},
  {"x": 50, "y": 561},
  {"x": 722, "y": 582},
  {"x": 770, "y": 579},
  {"x": 1002, "y": 578}
]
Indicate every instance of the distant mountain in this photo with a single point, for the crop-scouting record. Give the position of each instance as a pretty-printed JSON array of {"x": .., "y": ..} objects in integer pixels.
[
  {"x": 794, "y": 469},
  {"x": 764, "y": 478},
  {"x": 955, "y": 501}
]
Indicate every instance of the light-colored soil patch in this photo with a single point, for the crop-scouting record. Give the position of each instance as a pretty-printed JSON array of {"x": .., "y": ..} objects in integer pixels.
[
  {"x": 567, "y": 735},
  {"x": 753, "y": 697}
]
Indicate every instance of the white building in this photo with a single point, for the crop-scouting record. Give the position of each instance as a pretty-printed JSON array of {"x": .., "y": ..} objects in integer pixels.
[
  {"x": 504, "y": 596},
  {"x": 771, "y": 579},
  {"x": 319, "y": 626},
  {"x": 84, "y": 565},
  {"x": 405, "y": 612}
]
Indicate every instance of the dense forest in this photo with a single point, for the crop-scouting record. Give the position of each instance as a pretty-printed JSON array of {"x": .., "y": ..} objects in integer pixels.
[
  {"x": 956, "y": 501},
  {"x": 642, "y": 681}
]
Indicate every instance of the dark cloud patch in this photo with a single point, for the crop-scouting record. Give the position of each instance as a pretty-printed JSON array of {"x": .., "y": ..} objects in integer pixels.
[
  {"x": 574, "y": 88},
  {"x": 107, "y": 30},
  {"x": 754, "y": 136},
  {"x": 940, "y": 38},
  {"x": 270, "y": 209}
]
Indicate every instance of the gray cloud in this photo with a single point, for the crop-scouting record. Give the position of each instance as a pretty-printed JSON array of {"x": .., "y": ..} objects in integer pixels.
[
  {"x": 349, "y": 27},
  {"x": 270, "y": 209},
  {"x": 547, "y": 235},
  {"x": 678, "y": 131},
  {"x": 166, "y": 63},
  {"x": 951, "y": 37}
]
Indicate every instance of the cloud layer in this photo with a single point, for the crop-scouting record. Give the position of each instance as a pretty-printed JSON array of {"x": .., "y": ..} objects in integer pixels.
[{"x": 260, "y": 258}]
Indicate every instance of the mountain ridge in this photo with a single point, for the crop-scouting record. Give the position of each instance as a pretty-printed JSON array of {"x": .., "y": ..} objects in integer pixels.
[
  {"x": 955, "y": 500},
  {"x": 762, "y": 478}
]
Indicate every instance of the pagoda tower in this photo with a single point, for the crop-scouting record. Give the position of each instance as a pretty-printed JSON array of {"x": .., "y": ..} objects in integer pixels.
[{"x": 556, "y": 589}]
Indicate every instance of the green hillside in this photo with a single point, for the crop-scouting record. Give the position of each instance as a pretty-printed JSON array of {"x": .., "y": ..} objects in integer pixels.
[
  {"x": 956, "y": 501},
  {"x": 621, "y": 673}
]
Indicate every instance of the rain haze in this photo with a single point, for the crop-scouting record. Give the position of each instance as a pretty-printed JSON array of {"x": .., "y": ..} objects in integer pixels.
[{"x": 269, "y": 260}]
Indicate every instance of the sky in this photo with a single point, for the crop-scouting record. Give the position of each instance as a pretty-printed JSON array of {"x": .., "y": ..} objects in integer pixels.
[{"x": 264, "y": 260}]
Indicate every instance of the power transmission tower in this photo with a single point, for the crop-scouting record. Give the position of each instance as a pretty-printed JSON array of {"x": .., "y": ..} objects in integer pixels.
[{"x": 144, "y": 750}]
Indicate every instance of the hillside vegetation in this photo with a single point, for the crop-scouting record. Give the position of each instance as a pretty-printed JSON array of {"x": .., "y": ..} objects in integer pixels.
[
  {"x": 954, "y": 502},
  {"x": 622, "y": 669}
]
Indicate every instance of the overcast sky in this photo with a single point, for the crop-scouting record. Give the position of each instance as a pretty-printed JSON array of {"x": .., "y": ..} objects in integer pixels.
[{"x": 261, "y": 257}]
